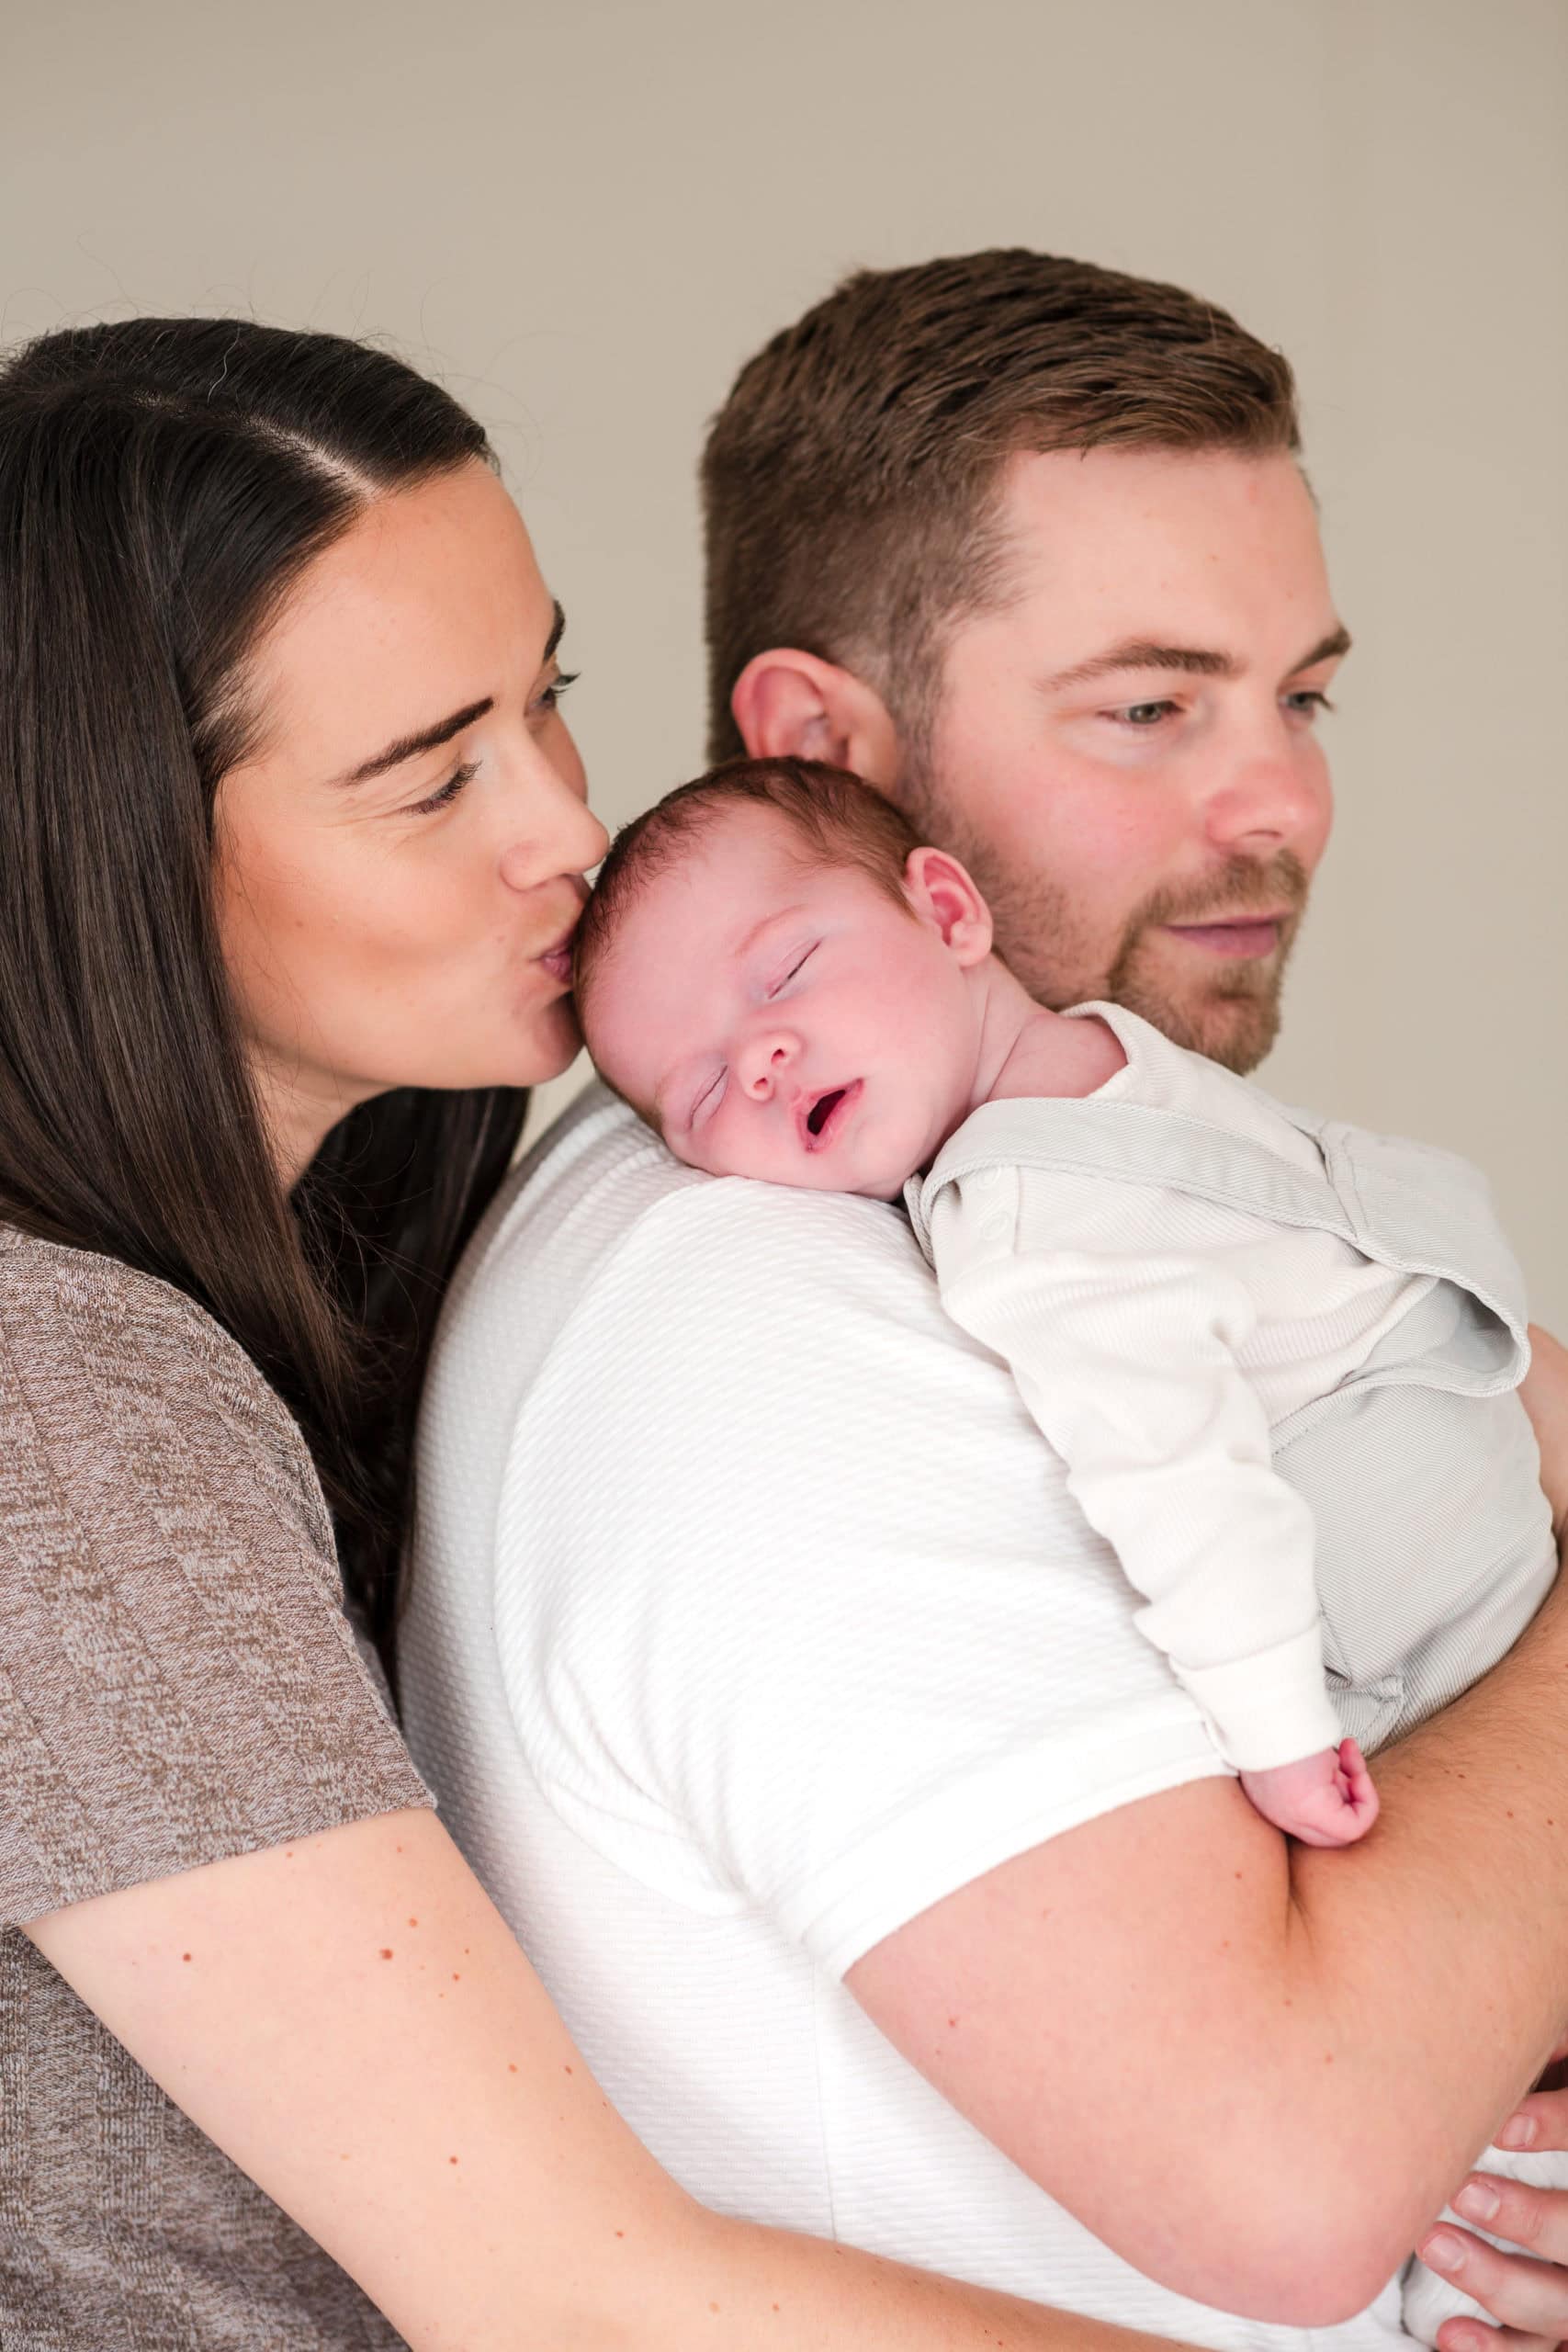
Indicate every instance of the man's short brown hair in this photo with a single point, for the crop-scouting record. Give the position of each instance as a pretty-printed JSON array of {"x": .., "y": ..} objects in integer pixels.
[
  {"x": 850, "y": 481},
  {"x": 835, "y": 821}
]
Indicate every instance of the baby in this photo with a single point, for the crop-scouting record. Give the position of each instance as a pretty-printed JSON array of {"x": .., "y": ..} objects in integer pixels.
[{"x": 1276, "y": 1356}]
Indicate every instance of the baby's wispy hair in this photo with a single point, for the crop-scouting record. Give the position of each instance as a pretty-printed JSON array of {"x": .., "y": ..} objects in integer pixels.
[{"x": 836, "y": 820}]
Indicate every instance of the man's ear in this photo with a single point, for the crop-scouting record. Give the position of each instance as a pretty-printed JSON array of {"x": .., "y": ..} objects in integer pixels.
[
  {"x": 941, "y": 892},
  {"x": 790, "y": 705}
]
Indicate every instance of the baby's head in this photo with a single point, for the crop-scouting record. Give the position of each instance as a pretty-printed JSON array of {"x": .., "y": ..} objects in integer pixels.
[{"x": 782, "y": 978}]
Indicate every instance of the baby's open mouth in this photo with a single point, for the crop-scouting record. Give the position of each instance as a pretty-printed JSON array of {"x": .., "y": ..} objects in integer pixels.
[{"x": 822, "y": 1115}]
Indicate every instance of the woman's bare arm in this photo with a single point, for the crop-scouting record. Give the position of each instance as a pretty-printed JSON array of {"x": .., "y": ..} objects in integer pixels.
[{"x": 355, "y": 2025}]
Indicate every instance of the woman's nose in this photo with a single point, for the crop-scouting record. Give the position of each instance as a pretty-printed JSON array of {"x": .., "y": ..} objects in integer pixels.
[
  {"x": 766, "y": 1061},
  {"x": 570, "y": 842}
]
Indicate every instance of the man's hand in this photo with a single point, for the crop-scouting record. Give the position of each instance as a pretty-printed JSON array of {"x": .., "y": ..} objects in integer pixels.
[{"x": 1526, "y": 2293}]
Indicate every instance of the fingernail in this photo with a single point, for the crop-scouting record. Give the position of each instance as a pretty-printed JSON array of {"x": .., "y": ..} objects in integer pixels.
[
  {"x": 1462, "y": 2339},
  {"x": 1517, "y": 2132},
  {"x": 1477, "y": 2201},
  {"x": 1443, "y": 2251}
]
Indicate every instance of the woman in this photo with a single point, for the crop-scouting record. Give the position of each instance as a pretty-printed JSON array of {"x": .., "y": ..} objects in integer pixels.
[{"x": 291, "y": 833}]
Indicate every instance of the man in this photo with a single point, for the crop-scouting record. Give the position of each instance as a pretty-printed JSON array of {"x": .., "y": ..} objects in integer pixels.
[{"x": 770, "y": 1678}]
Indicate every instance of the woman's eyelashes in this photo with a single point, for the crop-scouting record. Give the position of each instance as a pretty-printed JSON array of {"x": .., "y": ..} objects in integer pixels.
[
  {"x": 445, "y": 794},
  {"x": 549, "y": 699},
  {"x": 543, "y": 705}
]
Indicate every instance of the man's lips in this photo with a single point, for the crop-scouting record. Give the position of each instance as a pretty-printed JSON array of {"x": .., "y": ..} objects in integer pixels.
[
  {"x": 1235, "y": 934},
  {"x": 821, "y": 1117}
]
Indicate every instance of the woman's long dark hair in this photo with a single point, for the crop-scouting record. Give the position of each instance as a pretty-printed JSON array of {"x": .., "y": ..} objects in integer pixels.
[{"x": 163, "y": 482}]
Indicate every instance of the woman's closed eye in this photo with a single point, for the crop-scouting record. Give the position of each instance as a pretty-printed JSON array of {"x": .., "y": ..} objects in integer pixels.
[{"x": 445, "y": 794}]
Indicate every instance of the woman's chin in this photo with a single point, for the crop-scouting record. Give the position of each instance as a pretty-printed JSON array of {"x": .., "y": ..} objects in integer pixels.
[{"x": 549, "y": 1046}]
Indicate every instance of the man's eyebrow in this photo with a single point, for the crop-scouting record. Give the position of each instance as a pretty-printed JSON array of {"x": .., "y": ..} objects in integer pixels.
[
  {"x": 1192, "y": 660},
  {"x": 430, "y": 739},
  {"x": 1333, "y": 648}
]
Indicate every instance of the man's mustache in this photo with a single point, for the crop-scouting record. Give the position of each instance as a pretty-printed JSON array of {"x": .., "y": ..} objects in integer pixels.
[{"x": 1241, "y": 889}]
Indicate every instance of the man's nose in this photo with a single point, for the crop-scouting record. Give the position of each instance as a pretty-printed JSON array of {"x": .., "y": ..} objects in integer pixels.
[
  {"x": 1267, "y": 798},
  {"x": 766, "y": 1061}
]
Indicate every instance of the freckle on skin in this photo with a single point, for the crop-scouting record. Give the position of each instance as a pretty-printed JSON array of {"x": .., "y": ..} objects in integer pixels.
[
  {"x": 185, "y": 1955},
  {"x": 566, "y": 2070},
  {"x": 621, "y": 2233},
  {"x": 451, "y": 2160},
  {"x": 713, "y": 2307},
  {"x": 413, "y": 1923},
  {"x": 386, "y": 1951},
  {"x": 455, "y": 1978},
  {"x": 509, "y": 2067},
  {"x": 953, "y": 2020}
]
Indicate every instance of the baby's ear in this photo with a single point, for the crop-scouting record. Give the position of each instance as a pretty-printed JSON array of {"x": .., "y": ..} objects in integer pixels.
[{"x": 942, "y": 893}]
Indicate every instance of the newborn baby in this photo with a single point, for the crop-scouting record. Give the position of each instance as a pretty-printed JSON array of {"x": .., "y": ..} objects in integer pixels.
[{"x": 1276, "y": 1356}]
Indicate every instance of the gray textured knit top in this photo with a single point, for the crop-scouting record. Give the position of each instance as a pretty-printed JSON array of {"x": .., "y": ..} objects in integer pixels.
[{"x": 178, "y": 1682}]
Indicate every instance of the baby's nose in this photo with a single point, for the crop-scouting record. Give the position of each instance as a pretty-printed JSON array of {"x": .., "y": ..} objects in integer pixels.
[{"x": 767, "y": 1062}]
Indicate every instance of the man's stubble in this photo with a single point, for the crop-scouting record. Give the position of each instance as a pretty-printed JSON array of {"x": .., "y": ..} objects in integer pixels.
[{"x": 1229, "y": 1012}]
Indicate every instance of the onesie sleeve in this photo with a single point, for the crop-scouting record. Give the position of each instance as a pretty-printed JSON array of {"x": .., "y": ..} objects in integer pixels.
[
  {"x": 1127, "y": 1362},
  {"x": 179, "y": 1678}
]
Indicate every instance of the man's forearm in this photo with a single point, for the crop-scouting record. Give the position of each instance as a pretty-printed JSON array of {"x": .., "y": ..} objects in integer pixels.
[
  {"x": 1257, "y": 2072},
  {"x": 1422, "y": 1979}
]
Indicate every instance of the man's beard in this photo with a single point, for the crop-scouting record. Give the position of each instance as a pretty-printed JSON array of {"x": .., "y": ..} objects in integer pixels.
[
  {"x": 1232, "y": 1013},
  {"x": 1229, "y": 1007}
]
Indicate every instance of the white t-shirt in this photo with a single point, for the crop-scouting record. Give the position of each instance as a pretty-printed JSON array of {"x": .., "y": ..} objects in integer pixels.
[
  {"x": 748, "y": 1618},
  {"x": 1158, "y": 1336}
]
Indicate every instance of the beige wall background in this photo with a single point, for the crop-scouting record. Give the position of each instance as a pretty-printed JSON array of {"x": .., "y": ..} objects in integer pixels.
[{"x": 583, "y": 217}]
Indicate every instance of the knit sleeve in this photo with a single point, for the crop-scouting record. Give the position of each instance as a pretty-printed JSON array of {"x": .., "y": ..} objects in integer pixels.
[{"x": 179, "y": 1680}]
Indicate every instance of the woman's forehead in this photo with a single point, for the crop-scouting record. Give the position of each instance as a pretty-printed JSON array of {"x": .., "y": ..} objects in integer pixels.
[{"x": 429, "y": 600}]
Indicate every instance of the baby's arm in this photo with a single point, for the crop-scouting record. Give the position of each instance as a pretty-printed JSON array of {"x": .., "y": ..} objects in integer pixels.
[{"x": 1128, "y": 1365}]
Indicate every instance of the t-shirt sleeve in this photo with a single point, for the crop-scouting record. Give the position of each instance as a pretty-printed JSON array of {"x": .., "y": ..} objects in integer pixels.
[
  {"x": 803, "y": 1621},
  {"x": 179, "y": 1678}
]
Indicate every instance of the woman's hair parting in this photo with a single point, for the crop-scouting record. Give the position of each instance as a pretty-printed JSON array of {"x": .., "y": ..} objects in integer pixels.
[
  {"x": 163, "y": 482},
  {"x": 836, "y": 818}
]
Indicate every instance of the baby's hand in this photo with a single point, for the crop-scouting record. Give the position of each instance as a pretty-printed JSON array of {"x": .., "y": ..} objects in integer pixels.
[{"x": 1323, "y": 1800}]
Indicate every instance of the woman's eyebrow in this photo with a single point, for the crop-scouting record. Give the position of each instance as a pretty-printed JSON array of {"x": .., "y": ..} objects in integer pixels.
[
  {"x": 408, "y": 747},
  {"x": 429, "y": 738}
]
